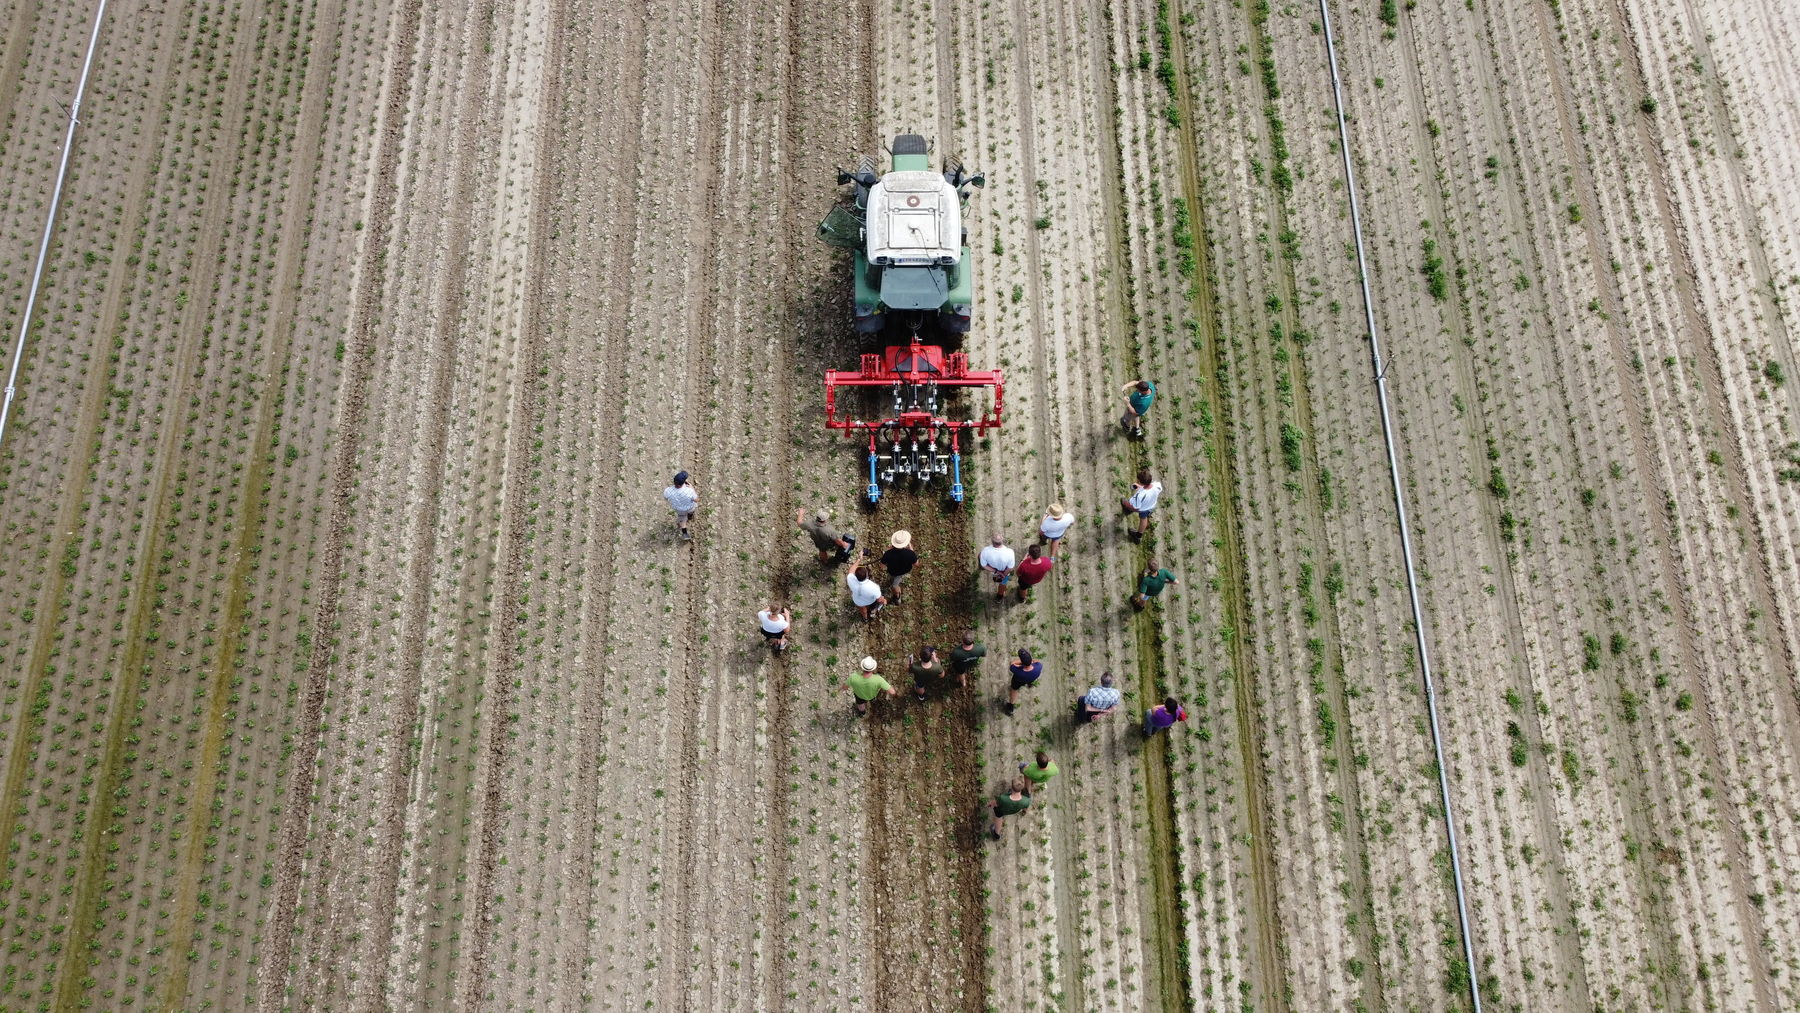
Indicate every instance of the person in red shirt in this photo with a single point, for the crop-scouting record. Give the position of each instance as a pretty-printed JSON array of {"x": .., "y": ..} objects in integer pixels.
[{"x": 1035, "y": 567}]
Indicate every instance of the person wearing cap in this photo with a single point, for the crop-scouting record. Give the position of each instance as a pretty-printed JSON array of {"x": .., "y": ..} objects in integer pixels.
[
  {"x": 866, "y": 685},
  {"x": 1024, "y": 672},
  {"x": 967, "y": 657},
  {"x": 1032, "y": 569},
  {"x": 684, "y": 499},
  {"x": 1142, "y": 501},
  {"x": 828, "y": 540},
  {"x": 1097, "y": 701},
  {"x": 865, "y": 594},
  {"x": 1053, "y": 527},
  {"x": 1139, "y": 396},
  {"x": 775, "y": 622},
  {"x": 898, "y": 561},
  {"x": 998, "y": 559}
]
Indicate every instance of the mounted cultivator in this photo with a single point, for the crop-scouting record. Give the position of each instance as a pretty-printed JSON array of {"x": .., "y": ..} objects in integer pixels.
[
  {"x": 915, "y": 440},
  {"x": 912, "y": 275}
]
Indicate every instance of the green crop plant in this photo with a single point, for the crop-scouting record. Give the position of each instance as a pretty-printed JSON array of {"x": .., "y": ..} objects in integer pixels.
[{"x": 1432, "y": 267}]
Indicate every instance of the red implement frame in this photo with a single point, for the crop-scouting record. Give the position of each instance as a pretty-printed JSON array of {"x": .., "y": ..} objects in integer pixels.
[{"x": 917, "y": 367}]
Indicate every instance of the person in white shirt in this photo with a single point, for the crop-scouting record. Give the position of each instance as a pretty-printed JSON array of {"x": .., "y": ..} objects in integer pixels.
[
  {"x": 998, "y": 559},
  {"x": 775, "y": 623},
  {"x": 684, "y": 499},
  {"x": 865, "y": 594},
  {"x": 1053, "y": 527},
  {"x": 1142, "y": 502}
]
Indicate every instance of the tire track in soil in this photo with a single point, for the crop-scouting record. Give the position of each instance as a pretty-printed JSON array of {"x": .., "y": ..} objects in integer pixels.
[
  {"x": 1543, "y": 792},
  {"x": 1267, "y": 955},
  {"x": 923, "y": 781},
  {"x": 97, "y": 386},
  {"x": 360, "y": 355},
  {"x": 1062, "y": 665},
  {"x": 677, "y": 943},
  {"x": 1640, "y": 424},
  {"x": 1781, "y": 338},
  {"x": 625, "y": 150},
  {"x": 1331, "y": 674},
  {"x": 806, "y": 145},
  {"x": 91, "y": 880},
  {"x": 434, "y": 419},
  {"x": 1713, "y": 384},
  {"x": 314, "y": 91},
  {"x": 12, "y": 56},
  {"x": 517, "y": 476}
]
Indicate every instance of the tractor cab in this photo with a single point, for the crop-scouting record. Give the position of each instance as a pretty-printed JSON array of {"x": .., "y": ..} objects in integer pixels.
[{"x": 912, "y": 254}]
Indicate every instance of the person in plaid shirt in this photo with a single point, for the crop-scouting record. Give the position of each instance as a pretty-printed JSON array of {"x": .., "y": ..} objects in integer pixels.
[{"x": 1100, "y": 700}]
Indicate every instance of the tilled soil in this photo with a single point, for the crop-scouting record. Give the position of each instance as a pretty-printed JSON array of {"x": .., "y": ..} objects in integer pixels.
[{"x": 350, "y": 662}]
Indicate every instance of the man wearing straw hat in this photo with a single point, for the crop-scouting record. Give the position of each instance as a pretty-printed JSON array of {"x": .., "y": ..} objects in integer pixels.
[
  {"x": 1053, "y": 527},
  {"x": 898, "y": 561}
]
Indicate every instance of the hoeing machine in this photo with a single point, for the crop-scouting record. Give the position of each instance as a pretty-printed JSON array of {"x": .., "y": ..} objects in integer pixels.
[{"x": 912, "y": 275}]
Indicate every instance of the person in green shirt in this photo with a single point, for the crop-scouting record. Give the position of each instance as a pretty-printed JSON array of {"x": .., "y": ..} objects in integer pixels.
[
  {"x": 967, "y": 658},
  {"x": 1041, "y": 770},
  {"x": 1015, "y": 800},
  {"x": 866, "y": 685},
  {"x": 1151, "y": 583},
  {"x": 927, "y": 671},
  {"x": 1139, "y": 396}
]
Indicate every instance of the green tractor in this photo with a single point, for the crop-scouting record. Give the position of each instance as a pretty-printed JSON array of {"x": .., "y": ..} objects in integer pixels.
[{"x": 911, "y": 247}]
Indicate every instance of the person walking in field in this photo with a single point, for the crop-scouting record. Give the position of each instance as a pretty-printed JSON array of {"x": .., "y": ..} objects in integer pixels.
[
  {"x": 1139, "y": 396},
  {"x": 684, "y": 499},
  {"x": 1040, "y": 771},
  {"x": 1151, "y": 583},
  {"x": 866, "y": 685},
  {"x": 833, "y": 545},
  {"x": 1015, "y": 800},
  {"x": 1032, "y": 570},
  {"x": 1024, "y": 672},
  {"x": 775, "y": 623},
  {"x": 927, "y": 671},
  {"x": 1053, "y": 528},
  {"x": 967, "y": 657},
  {"x": 1163, "y": 716},
  {"x": 1097, "y": 701},
  {"x": 898, "y": 561},
  {"x": 865, "y": 594},
  {"x": 1142, "y": 501},
  {"x": 998, "y": 561}
]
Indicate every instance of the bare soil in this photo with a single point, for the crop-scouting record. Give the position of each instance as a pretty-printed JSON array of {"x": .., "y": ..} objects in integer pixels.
[{"x": 351, "y": 662}]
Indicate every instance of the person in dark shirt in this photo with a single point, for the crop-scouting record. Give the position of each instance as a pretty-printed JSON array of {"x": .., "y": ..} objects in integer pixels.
[
  {"x": 1024, "y": 672},
  {"x": 967, "y": 658},
  {"x": 927, "y": 671},
  {"x": 1015, "y": 800},
  {"x": 898, "y": 561}
]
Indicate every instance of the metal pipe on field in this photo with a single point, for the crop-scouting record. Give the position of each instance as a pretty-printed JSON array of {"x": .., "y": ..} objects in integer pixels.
[
  {"x": 1406, "y": 550},
  {"x": 62, "y": 170}
]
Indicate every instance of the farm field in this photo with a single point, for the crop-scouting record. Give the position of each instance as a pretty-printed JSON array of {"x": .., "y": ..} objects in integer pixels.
[{"x": 349, "y": 661}]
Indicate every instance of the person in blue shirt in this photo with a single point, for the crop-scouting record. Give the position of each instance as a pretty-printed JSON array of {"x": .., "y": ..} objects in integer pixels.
[
  {"x": 1024, "y": 672},
  {"x": 1139, "y": 396}
]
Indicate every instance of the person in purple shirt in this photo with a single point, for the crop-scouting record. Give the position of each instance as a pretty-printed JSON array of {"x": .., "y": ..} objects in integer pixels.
[{"x": 1163, "y": 716}]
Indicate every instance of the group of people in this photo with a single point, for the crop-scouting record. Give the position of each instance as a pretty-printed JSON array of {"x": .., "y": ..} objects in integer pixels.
[{"x": 999, "y": 564}]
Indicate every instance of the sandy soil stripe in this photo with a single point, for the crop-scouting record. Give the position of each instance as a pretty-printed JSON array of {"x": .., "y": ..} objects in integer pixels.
[{"x": 372, "y": 275}]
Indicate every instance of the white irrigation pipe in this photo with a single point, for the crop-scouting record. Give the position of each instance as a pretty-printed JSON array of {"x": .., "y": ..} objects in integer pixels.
[
  {"x": 1406, "y": 551},
  {"x": 62, "y": 170}
]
